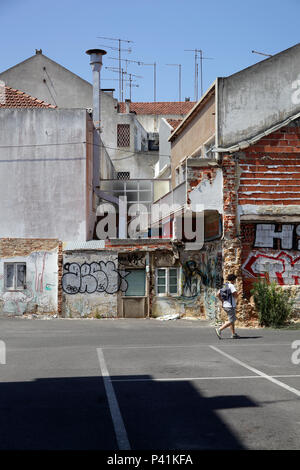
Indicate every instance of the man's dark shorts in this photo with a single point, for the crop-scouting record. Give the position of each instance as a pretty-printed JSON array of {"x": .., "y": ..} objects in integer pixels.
[{"x": 230, "y": 313}]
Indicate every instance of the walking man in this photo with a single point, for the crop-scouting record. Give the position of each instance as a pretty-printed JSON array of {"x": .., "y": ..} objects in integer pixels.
[{"x": 227, "y": 296}]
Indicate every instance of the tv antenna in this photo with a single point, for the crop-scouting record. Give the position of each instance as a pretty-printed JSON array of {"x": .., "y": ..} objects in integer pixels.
[
  {"x": 198, "y": 57},
  {"x": 120, "y": 50},
  {"x": 179, "y": 78}
]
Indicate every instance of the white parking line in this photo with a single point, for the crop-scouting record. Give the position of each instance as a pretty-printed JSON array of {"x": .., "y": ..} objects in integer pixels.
[
  {"x": 118, "y": 423},
  {"x": 258, "y": 372},
  {"x": 162, "y": 346},
  {"x": 178, "y": 379}
]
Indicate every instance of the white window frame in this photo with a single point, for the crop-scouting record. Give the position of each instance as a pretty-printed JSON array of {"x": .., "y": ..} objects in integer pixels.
[
  {"x": 14, "y": 287},
  {"x": 167, "y": 292}
]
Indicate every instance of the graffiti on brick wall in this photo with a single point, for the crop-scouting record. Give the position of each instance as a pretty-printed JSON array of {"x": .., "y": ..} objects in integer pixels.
[
  {"x": 269, "y": 235},
  {"x": 93, "y": 277},
  {"x": 282, "y": 267}
]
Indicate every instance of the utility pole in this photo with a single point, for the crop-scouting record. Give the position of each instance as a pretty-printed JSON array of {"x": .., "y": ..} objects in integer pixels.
[
  {"x": 179, "y": 79},
  {"x": 198, "y": 56},
  {"x": 119, "y": 49}
]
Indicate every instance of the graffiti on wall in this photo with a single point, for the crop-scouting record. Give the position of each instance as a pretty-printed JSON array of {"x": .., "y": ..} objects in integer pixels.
[
  {"x": 191, "y": 279},
  {"x": 136, "y": 260},
  {"x": 93, "y": 277},
  {"x": 269, "y": 235},
  {"x": 282, "y": 267},
  {"x": 40, "y": 289},
  {"x": 206, "y": 272}
]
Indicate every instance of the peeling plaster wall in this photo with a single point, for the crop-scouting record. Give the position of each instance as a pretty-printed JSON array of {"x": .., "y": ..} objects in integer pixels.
[
  {"x": 205, "y": 186},
  {"x": 91, "y": 282},
  {"x": 41, "y": 292}
]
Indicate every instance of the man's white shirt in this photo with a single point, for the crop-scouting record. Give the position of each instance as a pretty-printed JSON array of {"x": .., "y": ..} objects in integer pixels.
[{"x": 226, "y": 303}]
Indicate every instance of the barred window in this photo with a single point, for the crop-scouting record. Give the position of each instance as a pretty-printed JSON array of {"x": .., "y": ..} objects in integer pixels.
[
  {"x": 123, "y": 175},
  {"x": 123, "y": 135}
]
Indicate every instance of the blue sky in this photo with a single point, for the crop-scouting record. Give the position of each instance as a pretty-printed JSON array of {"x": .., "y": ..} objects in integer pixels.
[{"x": 160, "y": 30}]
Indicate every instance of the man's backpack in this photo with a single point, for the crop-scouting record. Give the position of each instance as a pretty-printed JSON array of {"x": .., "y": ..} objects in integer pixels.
[{"x": 225, "y": 293}]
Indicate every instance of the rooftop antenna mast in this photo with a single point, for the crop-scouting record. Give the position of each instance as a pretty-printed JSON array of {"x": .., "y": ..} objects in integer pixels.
[
  {"x": 119, "y": 49},
  {"x": 115, "y": 69},
  {"x": 154, "y": 78},
  {"x": 179, "y": 78},
  {"x": 198, "y": 56}
]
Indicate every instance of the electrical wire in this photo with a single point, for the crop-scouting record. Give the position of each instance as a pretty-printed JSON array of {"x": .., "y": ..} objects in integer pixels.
[{"x": 83, "y": 142}]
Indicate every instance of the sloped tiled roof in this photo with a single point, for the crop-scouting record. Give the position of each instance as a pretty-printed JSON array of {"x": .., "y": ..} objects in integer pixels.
[
  {"x": 11, "y": 98},
  {"x": 174, "y": 122},
  {"x": 159, "y": 107}
]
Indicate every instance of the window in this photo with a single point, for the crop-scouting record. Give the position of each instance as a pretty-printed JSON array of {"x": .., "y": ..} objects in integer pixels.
[
  {"x": 167, "y": 281},
  {"x": 123, "y": 135},
  {"x": 15, "y": 276}
]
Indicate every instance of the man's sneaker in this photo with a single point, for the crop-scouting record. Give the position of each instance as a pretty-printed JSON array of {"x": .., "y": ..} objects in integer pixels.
[
  {"x": 235, "y": 336},
  {"x": 218, "y": 332}
]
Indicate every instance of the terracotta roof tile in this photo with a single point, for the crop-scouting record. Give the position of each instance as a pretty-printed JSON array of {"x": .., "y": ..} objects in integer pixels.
[
  {"x": 159, "y": 107},
  {"x": 11, "y": 98},
  {"x": 174, "y": 122}
]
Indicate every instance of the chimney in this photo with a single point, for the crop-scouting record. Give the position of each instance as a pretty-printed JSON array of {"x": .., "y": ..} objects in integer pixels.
[
  {"x": 127, "y": 106},
  {"x": 96, "y": 64}
]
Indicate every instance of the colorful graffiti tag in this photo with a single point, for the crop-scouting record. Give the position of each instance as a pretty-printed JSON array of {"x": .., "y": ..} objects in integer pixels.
[
  {"x": 93, "y": 277},
  {"x": 282, "y": 267}
]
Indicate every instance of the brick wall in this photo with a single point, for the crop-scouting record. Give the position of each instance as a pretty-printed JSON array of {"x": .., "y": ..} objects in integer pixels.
[{"x": 271, "y": 170}]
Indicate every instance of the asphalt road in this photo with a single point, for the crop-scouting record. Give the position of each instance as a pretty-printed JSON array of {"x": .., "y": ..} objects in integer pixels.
[{"x": 146, "y": 384}]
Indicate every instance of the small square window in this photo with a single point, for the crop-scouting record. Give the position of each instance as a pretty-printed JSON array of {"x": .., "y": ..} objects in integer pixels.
[
  {"x": 15, "y": 276},
  {"x": 167, "y": 281}
]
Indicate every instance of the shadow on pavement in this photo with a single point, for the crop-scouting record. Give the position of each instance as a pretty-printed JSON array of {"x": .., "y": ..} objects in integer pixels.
[{"x": 73, "y": 413}]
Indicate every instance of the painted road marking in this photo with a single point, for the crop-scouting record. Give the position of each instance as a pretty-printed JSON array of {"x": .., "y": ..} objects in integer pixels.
[
  {"x": 258, "y": 372},
  {"x": 173, "y": 379},
  {"x": 161, "y": 346},
  {"x": 118, "y": 423}
]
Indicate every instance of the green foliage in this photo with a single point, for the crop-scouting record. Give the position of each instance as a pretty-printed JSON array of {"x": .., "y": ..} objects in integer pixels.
[{"x": 273, "y": 303}]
